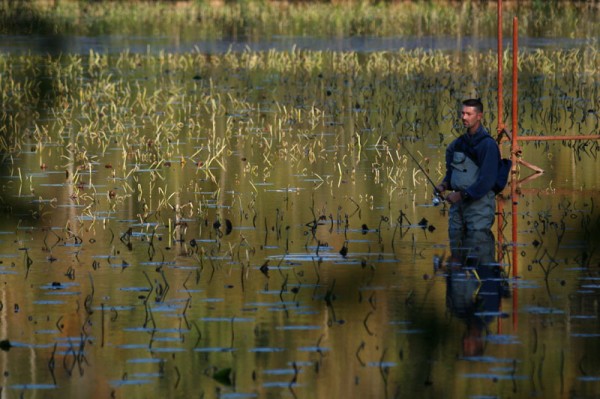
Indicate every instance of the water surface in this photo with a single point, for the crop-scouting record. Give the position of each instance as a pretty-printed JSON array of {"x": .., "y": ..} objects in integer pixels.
[{"x": 176, "y": 226}]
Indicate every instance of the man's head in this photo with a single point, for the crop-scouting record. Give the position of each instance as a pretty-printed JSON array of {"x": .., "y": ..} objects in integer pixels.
[{"x": 471, "y": 114}]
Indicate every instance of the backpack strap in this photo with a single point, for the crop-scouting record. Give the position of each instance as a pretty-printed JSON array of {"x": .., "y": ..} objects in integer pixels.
[{"x": 469, "y": 148}]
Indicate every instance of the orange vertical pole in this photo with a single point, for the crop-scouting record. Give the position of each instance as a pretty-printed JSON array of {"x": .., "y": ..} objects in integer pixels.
[
  {"x": 513, "y": 183},
  {"x": 500, "y": 86},
  {"x": 500, "y": 126},
  {"x": 500, "y": 207},
  {"x": 514, "y": 144}
]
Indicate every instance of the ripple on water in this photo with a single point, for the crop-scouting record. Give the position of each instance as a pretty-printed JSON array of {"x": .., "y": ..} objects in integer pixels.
[
  {"x": 214, "y": 350},
  {"x": 145, "y": 360},
  {"x": 298, "y": 327},
  {"x": 266, "y": 349},
  {"x": 584, "y": 335},
  {"x": 167, "y": 350},
  {"x": 290, "y": 371},
  {"x": 502, "y": 339},
  {"x": 589, "y": 378},
  {"x": 48, "y": 302},
  {"x": 494, "y": 377},
  {"x": 135, "y": 289},
  {"x": 121, "y": 383},
  {"x": 22, "y": 387},
  {"x": 382, "y": 364},
  {"x": 237, "y": 395},
  {"x": 542, "y": 310},
  {"x": 487, "y": 359},
  {"x": 316, "y": 349},
  {"x": 280, "y": 384},
  {"x": 228, "y": 319}
]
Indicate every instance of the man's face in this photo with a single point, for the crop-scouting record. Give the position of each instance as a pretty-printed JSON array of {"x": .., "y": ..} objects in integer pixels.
[{"x": 470, "y": 117}]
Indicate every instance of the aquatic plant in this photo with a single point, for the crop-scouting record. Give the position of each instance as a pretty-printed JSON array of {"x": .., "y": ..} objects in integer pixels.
[{"x": 147, "y": 106}]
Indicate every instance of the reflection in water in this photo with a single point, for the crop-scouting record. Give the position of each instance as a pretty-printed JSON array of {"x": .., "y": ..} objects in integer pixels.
[{"x": 475, "y": 285}]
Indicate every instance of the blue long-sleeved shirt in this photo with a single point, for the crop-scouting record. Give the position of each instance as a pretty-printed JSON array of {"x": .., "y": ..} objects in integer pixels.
[{"x": 486, "y": 155}]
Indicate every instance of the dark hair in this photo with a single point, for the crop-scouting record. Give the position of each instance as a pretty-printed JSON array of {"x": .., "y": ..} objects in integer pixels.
[{"x": 474, "y": 102}]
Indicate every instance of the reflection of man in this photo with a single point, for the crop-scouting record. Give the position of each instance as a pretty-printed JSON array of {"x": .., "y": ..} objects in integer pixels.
[
  {"x": 471, "y": 172},
  {"x": 474, "y": 285}
]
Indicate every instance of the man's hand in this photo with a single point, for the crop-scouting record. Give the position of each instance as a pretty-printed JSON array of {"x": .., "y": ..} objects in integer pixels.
[
  {"x": 454, "y": 197},
  {"x": 440, "y": 188}
]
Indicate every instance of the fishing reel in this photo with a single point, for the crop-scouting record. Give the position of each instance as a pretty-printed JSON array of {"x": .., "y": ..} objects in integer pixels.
[{"x": 437, "y": 199}]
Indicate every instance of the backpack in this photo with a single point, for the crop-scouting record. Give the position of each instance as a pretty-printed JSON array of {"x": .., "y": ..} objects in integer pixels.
[
  {"x": 503, "y": 173},
  {"x": 504, "y": 164}
]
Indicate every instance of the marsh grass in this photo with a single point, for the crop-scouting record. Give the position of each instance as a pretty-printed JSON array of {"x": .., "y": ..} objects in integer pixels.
[
  {"x": 155, "y": 122},
  {"x": 179, "y": 174},
  {"x": 258, "y": 19}
]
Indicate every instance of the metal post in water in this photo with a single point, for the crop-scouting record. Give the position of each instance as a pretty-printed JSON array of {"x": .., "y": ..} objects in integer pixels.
[
  {"x": 500, "y": 105},
  {"x": 500, "y": 86},
  {"x": 514, "y": 145},
  {"x": 513, "y": 180}
]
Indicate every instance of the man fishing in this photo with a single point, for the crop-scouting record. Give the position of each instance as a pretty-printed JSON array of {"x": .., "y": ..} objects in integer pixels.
[{"x": 472, "y": 162}]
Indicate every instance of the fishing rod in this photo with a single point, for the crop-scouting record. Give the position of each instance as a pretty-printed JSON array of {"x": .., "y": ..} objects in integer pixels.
[{"x": 437, "y": 199}]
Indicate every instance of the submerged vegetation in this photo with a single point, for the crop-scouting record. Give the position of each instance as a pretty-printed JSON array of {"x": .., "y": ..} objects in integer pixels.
[{"x": 263, "y": 19}]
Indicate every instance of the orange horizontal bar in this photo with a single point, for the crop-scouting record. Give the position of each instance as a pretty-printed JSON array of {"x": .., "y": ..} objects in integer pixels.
[{"x": 548, "y": 138}]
